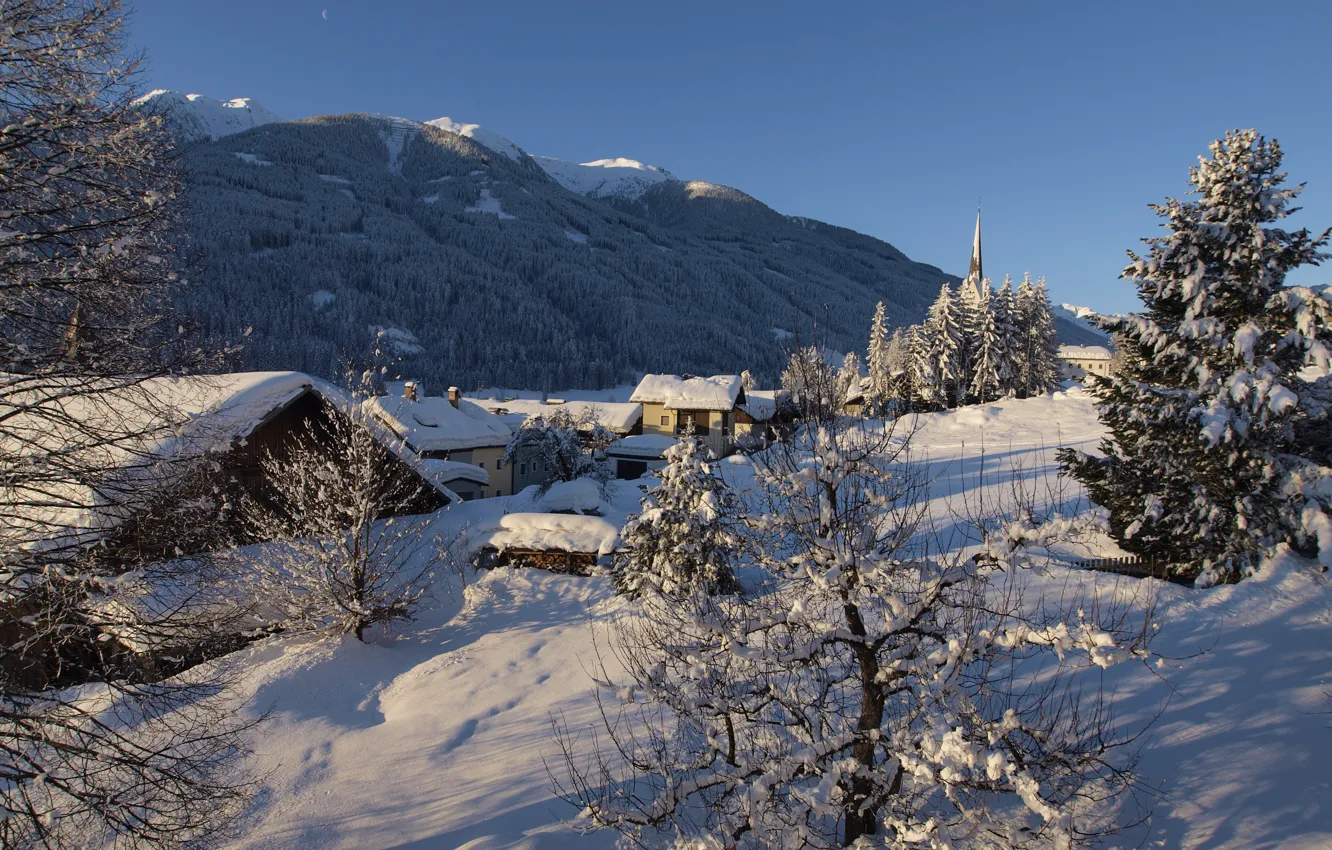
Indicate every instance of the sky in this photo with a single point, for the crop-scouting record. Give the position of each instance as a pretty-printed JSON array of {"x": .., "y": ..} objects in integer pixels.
[{"x": 1063, "y": 120}]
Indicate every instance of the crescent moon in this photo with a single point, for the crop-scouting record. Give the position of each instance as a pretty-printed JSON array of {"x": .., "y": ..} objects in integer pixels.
[{"x": 324, "y": 14}]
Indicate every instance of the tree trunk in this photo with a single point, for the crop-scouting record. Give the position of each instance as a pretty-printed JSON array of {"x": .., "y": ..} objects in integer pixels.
[{"x": 862, "y": 810}]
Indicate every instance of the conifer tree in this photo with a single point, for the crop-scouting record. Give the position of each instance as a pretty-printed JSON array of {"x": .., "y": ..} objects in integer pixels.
[
  {"x": 1038, "y": 359},
  {"x": 684, "y": 539},
  {"x": 880, "y": 375},
  {"x": 898, "y": 366},
  {"x": 1004, "y": 307},
  {"x": 848, "y": 378},
  {"x": 1218, "y": 446},
  {"x": 968, "y": 300},
  {"x": 938, "y": 356},
  {"x": 986, "y": 352}
]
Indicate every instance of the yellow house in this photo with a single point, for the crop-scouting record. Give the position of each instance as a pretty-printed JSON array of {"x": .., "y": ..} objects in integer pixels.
[
  {"x": 456, "y": 437},
  {"x": 706, "y": 407}
]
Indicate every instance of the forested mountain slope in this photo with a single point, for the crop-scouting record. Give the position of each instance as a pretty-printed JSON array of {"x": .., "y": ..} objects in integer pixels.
[{"x": 488, "y": 272}]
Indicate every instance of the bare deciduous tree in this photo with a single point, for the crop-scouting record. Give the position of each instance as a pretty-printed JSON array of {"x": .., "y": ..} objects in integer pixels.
[
  {"x": 875, "y": 690},
  {"x": 95, "y": 745},
  {"x": 349, "y": 553}
]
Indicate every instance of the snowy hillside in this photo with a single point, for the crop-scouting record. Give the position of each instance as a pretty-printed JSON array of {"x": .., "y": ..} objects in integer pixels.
[
  {"x": 1080, "y": 317},
  {"x": 439, "y": 736},
  {"x": 200, "y": 118},
  {"x": 570, "y": 267},
  {"x": 605, "y": 178},
  {"x": 408, "y": 226},
  {"x": 480, "y": 135}
]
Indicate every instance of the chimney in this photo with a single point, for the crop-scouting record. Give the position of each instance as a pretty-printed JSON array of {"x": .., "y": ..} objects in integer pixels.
[
  {"x": 409, "y": 390},
  {"x": 453, "y": 396}
]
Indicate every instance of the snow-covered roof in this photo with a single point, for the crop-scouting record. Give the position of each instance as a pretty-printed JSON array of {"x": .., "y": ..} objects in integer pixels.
[
  {"x": 138, "y": 429},
  {"x": 641, "y": 445},
  {"x": 718, "y": 392},
  {"x": 1085, "y": 352},
  {"x": 582, "y": 494},
  {"x": 761, "y": 405},
  {"x": 549, "y": 532},
  {"x": 433, "y": 424},
  {"x": 619, "y": 417},
  {"x": 445, "y": 472}
]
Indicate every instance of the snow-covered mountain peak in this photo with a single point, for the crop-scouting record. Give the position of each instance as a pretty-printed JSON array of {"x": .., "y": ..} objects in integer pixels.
[
  {"x": 197, "y": 117},
  {"x": 481, "y": 136},
  {"x": 605, "y": 178},
  {"x": 621, "y": 162}
]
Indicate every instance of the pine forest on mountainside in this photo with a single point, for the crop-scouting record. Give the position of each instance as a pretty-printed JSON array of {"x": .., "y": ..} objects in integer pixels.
[{"x": 487, "y": 272}]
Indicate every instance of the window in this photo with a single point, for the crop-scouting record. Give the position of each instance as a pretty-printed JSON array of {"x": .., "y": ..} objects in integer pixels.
[
  {"x": 522, "y": 469},
  {"x": 697, "y": 419},
  {"x": 499, "y": 464},
  {"x": 481, "y": 464},
  {"x": 665, "y": 420},
  {"x": 499, "y": 493}
]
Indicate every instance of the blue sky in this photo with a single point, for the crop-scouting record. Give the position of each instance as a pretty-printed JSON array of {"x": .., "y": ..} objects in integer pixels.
[{"x": 889, "y": 118}]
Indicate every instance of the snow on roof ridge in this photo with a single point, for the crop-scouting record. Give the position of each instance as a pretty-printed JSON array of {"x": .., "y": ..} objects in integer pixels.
[
  {"x": 434, "y": 424},
  {"x": 717, "y": 392},
  {"x": 618, "y": 416},
  {"x": 549, "y": 532},
  {"x": 1085, "y": 352}
]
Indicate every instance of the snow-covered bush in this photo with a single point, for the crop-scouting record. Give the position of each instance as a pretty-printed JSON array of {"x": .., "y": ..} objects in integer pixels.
[
  {"x": 1218, "y": 445},
  {"x": 874, "y": 693},
  {"x": 567, "y": 448},
  {"x": 348, "y": 553},
  {"x": 685, "y": 539},
  {"x": 810, "y": 383}
]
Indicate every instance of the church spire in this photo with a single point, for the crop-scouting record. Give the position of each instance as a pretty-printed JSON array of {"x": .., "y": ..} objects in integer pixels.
[{"x": 975, "y": 274}]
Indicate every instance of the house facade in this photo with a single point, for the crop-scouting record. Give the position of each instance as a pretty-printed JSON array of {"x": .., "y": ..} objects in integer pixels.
[
  {"x": 674, "y": 406},
  {"x": 1079, "y": 361},
  {"x": 450, "y": 430},
  {"x": 527, "y": 467}
]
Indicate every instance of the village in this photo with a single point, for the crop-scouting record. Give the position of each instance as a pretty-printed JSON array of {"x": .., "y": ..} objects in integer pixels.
[{"x": 372, "y": 481}]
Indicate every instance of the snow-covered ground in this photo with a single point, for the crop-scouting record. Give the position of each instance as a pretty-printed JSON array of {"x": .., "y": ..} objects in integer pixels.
[{"x": 436, "y": 737}]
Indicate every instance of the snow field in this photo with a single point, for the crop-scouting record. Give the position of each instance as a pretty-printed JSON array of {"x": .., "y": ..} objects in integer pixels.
[{"x": 440, "y": 736}]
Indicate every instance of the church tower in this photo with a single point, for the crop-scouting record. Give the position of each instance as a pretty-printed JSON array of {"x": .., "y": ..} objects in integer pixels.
[{"x": 975, "y": 274}]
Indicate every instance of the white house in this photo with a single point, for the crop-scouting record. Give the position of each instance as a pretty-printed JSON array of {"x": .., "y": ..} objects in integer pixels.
[{"x": 1083, "y": 360}]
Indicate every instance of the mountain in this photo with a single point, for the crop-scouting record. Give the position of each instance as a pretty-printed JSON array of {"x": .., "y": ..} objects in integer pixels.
[
  {"x": 1073, "y": 317},
  {"x": 194, "y": 117},
  {"x": 479, "y": 265}
]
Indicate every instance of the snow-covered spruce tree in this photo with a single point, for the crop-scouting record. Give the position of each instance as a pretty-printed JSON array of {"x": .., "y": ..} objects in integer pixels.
[
  {"x": 941, "y": 352},
  {"x": 1038, "y": 358},
  {"x": 987, "y": 352},
  {"x": 1218, "y": 445},
  {"x": 848, "y": 378},
  {"x": 685, "y": 539},
  {"x": 898, "y": 366},
  {"x": 96, "y": 746},
  {"x": 350, "y": 554},
  {"x": 567, "y": 448},
  {"x": 872, "y": 693},
  {"x": 877, "y": 361},
  {"x": 1004, "y": 306},
  {"x": 969, "y": 301},
  {"x": 811, "y": 384}
]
